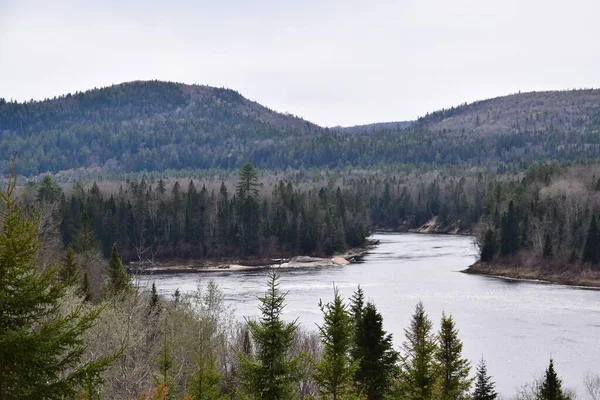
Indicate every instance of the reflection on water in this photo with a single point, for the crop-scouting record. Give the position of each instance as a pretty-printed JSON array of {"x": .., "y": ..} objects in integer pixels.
[{"x": 517, "y": 326}]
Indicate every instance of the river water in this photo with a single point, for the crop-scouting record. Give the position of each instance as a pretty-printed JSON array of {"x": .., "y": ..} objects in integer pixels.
[{"x": 516, "y": 326}]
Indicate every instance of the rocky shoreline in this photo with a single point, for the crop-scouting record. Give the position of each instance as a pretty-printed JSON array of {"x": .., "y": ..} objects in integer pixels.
[
  {"x": 573, "y": 276},
  {"x": 204, "y": 266}
]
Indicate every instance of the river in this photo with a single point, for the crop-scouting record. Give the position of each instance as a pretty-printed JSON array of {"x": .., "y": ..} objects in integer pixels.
[{"x": 516, "y": 326}]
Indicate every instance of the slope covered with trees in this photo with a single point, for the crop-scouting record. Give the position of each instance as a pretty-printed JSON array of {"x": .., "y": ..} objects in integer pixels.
[{"x": 156, "y": 126}]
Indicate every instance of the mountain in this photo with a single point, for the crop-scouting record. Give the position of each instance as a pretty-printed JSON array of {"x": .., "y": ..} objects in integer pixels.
[
  {"x": 142, "y": 125},
  {"x": 155, "y": 125}
]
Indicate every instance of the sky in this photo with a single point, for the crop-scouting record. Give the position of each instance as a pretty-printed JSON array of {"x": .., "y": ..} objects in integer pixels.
[{"x": 332, "y": 62}]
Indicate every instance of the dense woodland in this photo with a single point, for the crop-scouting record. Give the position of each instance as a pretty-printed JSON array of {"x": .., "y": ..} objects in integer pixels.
[
  {"x": 547, "y": 218},
  {"x": 157, "y": 126},
  {"x": 546, "y": 215},
  {"x": 159, "y": 221},
  {"x": 60, "y": 341}
]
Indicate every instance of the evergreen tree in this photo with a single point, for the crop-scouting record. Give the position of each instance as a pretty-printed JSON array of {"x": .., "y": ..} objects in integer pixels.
[
  {"x": 419, "y": 370},
  {"x": 69, "y": 271},
  {"x": 247, "y": 182},
  {"x": 40, "y": 349},
  {"x": 271, "y": 374},
  {"x": 377, "y": 362},
  {"x": 204, "y": 384},
  {"x": 591, "y": 249},
  {"x": 509, "y": 231},
  {"x": 85, "y": 238},
  {"x": 357, "y": 308},
  {"x": 85, "y": 290},
  {"x": 335, "y": 372},
  {"x": 484, "y": 386},
  {"x": 547, "y": 251},
  {"x": 118, "y": 281},
  {"x": 48, "y": 190},
  {"x": 165, "y": 363},
  {"x": 453, "y": 369},
  {"x": 154, "y": 306},
  {"x": 551, "y": 388},
  {"x": 488, "y": 249}
]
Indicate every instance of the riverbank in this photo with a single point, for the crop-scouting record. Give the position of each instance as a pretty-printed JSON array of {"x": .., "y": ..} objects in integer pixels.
[
  {"x": 575, "y": 275},
  {"x": 433, "y": 226},
  {"x": 236, "y": 265}
]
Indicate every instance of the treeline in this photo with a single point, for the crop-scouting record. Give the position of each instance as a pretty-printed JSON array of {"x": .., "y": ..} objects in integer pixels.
[
  {"x": 152, "y": 222},
  {"x": 159, "y": 126},
  {"x": 159, "y": 219},
  {"x": 548, "y": 218}
]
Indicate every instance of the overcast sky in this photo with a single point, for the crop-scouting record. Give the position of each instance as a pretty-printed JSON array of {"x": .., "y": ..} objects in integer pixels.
[{"x": 331, "y": 62}]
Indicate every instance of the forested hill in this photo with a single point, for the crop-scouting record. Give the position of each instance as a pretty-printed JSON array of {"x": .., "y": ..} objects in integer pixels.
[
  {"x": 157, "y": 126},
  {"x": 149, "y": 125}
]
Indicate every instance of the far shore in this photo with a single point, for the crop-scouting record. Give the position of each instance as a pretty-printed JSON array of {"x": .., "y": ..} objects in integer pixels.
[
  {"x": 580, "y": 277},
  {"x": 239, "y": 265}
]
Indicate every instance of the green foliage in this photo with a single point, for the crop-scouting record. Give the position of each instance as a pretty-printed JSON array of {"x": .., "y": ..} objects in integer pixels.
[
  {"x": 85, "y": 291},
  {"x": 272, "y": 373},
  {"x": 48, "y": 190},
  {"x": 373, "y": 351},
  {"x": 419, "y": 369},
  {"x": 335, "y": 372},
  {"x": 484, "y": 386},
  {"x": 454, "y": 370},
  {"x": 551, "y": 387},
  {"x": 165, "y": 362},
  {"x": 591, "y": 249},
  {"x": 144, "y": 222},
  {"x": 85, "y": 238},
  {"x": 154, "y": 305},
  {"x": 156, "y": 126},
  {"x": 509, "y": 231},
  {"x": 488, "y": 249},
  {"x": 118, "y": 281},
  {"x": 204, "y": 384},
  {"x": 69, "y": 271},
  {"x": 547, "y": 251},
  {"x": 247, "y": 182},
  {"x": 40, "y": 350}
]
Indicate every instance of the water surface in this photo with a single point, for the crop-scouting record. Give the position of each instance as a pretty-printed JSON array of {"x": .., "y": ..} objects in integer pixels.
[{"x": 517, "y": 326}]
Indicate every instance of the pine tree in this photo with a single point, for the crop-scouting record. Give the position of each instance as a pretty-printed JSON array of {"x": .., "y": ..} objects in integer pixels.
[
  {"x": 377, "y": 361},
  {"x": 551, "y": 388},
  {"x": 419, "y": 369},
  {"x": 488, "y": 249},
  {"x": 453, "y": 369},
  {"x": 271, "y": 374},
  {"x": 69, "y": 271},
  {"x": 247, "y": 182},
  {"x": 335, "y": 372},
  {"x": 48, "y": 191},
  {"x": 40, "y": 349},
  {"x": 484, "y": 386},
  {"x": 118, "y": 281},
  {"x": 591, "y": 249}
]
